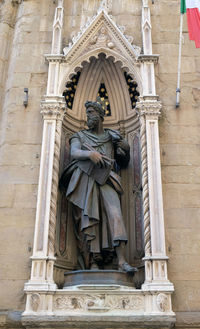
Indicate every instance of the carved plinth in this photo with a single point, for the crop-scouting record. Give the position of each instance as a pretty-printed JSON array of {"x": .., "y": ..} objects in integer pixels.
[
  {"x": 93, "y": 277},
  {"x": 99, "y": 306}
]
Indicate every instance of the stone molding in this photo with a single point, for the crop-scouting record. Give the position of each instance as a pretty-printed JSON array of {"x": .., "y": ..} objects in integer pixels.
[
  {"x": 186, "y": 320},
  {"x": 148, "y": 59},
  {"x": 52, "y": 58}
]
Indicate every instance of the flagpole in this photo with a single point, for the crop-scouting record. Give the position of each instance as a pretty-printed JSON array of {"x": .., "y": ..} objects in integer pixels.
[{"x": 178, "y": 90}]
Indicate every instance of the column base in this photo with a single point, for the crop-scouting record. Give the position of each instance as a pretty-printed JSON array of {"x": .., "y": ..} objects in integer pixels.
[
  {"x": 165, "y": 286},
  {"x": 39, "y": 286}
]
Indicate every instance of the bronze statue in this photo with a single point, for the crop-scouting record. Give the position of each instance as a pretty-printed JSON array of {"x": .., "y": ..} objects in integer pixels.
[{"x": 93, "y": 187}]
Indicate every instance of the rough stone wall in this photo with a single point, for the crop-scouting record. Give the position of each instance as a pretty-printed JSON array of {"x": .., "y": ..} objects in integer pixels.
[
  {"x": 125, "y": 13},
  {"x": 25, "y": 38},
  {"x": 180, "y": 152},
  {"x": 21, "y": 133}
]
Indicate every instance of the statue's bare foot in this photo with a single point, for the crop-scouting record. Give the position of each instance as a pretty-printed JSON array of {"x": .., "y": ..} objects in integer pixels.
[{"x": 125, "y": 267}]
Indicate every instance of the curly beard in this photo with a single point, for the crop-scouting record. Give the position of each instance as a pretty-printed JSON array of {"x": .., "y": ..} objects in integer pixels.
[{"x": 93, "y": 121}]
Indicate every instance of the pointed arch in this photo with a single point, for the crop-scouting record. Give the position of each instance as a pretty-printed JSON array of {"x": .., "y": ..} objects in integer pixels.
[
  {"x": 131, "y": 67},
  {"x": 111, "y": 73}
]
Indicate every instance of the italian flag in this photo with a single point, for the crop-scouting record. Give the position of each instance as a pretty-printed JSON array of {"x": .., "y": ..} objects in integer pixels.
[{"x": 192, "y": 8}]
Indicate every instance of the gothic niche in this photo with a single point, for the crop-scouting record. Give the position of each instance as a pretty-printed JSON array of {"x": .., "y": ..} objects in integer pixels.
[{"x": 117, "y": 90}]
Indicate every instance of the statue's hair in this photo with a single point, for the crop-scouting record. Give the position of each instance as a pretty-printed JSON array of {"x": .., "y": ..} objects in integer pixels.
[{"x": 96, "y": 106}]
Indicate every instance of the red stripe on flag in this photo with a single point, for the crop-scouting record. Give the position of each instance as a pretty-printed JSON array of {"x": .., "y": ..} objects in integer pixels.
[{"x": 193, "y": 19}]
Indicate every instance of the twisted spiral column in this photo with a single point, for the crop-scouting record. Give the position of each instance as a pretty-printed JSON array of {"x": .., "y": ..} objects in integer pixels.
[
  {"x": 147, "y": 234},
  {"x": 54, "y": 189}
]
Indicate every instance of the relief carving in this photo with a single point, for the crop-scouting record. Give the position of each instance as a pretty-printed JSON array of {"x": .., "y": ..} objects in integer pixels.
[
  {"x": 125, "y": 303},
  {"x": 162, "y": 302},
  {"x": 35, "y": 302},
  {"x": 101, "y": 301},
  {"x": 101, "y": 39}
]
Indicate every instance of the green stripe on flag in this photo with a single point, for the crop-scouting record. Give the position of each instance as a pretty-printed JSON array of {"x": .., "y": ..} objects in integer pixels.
[{"x": 183, "y": 7}]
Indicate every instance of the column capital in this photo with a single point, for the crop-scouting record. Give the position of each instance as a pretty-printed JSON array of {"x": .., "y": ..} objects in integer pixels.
[
  {"x": 149, "y": 106},
  {"x": 53, "y": 110}
]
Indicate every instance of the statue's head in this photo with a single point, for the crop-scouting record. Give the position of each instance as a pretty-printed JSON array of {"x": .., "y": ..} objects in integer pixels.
[{"x": 95, "y": 106}]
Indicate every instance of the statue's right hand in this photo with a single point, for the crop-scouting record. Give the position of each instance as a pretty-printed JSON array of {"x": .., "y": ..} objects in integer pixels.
[{"x": 96, "y": 157}]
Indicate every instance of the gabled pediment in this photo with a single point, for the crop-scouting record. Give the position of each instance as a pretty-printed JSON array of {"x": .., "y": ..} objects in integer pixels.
[{"x": 101, "y": 34}]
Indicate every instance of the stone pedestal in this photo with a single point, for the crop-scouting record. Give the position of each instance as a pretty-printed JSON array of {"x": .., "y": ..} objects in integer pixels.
[{"x": 96, "y": 277}]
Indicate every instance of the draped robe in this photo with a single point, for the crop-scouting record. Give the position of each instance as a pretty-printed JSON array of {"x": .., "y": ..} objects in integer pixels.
[{"x": 97, "y": 208}]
